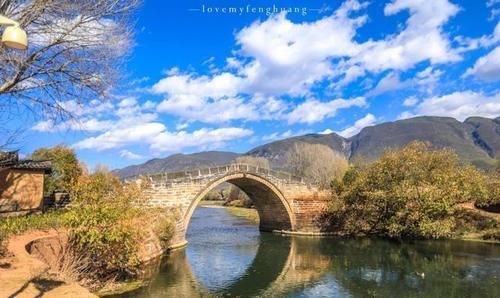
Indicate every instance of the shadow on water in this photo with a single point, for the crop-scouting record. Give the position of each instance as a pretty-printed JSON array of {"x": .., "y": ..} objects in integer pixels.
[{"x": 229, "y": 257}]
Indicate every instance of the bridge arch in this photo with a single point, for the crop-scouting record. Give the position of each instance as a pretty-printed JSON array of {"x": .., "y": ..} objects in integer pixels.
[{"x": 275, "y": 212}]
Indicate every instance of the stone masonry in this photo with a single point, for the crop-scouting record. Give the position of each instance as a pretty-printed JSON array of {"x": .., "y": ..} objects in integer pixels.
[{"x": 285, "y": 203}]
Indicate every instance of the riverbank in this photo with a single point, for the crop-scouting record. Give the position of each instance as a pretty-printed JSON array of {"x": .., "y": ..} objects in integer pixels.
[
  {"x": 250, "y": 214},
  {"x": 247, "y": 213},
  {"x": 25, "y": 275}
]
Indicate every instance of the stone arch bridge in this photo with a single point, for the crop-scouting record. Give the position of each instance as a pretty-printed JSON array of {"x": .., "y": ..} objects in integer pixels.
[{"x": 284, "y": 203}]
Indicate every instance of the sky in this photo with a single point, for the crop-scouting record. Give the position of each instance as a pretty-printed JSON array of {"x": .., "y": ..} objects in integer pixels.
[{"x": 232, "y": 75}]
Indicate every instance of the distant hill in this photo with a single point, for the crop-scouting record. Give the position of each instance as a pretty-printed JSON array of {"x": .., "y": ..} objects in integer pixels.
[
  {"x": 276, "y": 152},
  {"x": 442, "y": 132},
  {"x": 178, "y": 162},
  {"x": 476, "y": 140}
]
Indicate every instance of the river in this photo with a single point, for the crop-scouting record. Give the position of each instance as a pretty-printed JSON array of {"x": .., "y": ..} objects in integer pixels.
[{"x": 228, "y": 257}]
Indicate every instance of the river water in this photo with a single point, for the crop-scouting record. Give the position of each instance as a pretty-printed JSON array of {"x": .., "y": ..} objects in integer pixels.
[{"x": 228, "y": 257}]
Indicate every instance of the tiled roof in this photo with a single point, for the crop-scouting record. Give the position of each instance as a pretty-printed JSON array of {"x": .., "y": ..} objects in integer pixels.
[
  {"x": 34, "y": 165},
  {"x": 11, "y": 160},
  {"x": 8, "y": 158}
]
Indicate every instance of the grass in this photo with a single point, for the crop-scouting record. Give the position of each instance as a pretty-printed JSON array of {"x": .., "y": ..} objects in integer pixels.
[
  {"x": 472, "y": 225},
  {"x": 10, "y": 226},
  {"x": 247, "y": 213}
]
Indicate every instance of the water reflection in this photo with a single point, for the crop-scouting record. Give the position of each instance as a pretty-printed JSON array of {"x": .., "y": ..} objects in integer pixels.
[{"x": 228, "y": 257}]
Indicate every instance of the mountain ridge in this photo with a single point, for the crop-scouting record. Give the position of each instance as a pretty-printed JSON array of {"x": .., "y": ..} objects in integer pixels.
[{"x": 476, "y": 140}]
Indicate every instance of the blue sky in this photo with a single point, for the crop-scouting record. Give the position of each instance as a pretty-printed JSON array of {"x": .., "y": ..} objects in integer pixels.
[{"x": 199, "y": 80}]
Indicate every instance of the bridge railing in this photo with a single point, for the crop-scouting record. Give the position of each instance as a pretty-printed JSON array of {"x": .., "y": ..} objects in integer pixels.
[{"x": 223, "y": 169}]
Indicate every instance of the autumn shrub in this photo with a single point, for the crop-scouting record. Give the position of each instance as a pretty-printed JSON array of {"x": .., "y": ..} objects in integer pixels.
[
  {"x": 164, "y": 223},
  {"x": 407, "y": 193},
  {"x": 102, "y": 225},
  {"x": 490, "y": 201}
]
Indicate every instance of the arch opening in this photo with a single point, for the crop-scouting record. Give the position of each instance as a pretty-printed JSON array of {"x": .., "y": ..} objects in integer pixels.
[{"x": 275, "y": 213}]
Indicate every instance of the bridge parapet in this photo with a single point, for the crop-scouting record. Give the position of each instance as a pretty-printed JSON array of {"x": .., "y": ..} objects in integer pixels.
[{"x": 210, "y": 172}]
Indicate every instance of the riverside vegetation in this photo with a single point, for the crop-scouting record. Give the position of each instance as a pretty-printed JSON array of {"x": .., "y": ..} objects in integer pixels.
[
  {"x": 102, "y": 224},
  {"x": 415, "y": 192}
]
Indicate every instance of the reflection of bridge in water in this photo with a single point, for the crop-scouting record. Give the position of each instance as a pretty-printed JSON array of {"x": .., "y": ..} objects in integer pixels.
[{"x": 279, "y": 267}]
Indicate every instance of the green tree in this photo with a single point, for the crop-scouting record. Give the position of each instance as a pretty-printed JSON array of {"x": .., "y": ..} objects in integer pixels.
[
  {"x": 65, "y": 168},
  {"x": 408, "y": 193}
]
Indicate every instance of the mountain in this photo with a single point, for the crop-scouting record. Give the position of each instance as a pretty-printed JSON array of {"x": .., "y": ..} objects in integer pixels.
[
  {"x": 485, "y": 133},
  {"x": 276, "y": 152},
  {"x": 178, "y": 162},
  {"x": 476, "y": 140},
  {"x": 442, "y": 132}
]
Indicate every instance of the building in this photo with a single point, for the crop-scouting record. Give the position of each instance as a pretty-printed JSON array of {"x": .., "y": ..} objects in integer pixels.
[{"x": 21, "y": 184}]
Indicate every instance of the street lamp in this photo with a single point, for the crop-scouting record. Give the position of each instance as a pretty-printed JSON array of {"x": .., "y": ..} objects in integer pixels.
[{"x": 13, "y": 36}]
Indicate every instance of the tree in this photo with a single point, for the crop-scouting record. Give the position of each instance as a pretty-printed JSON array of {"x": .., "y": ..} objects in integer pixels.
[
  {"x": 317, "y": 163},
  {"x": 407, "y": 193},
  {"x": 66, "y": 168},
  {"x": 72, "y": 57},
  {"x": 260, "y": 162}
]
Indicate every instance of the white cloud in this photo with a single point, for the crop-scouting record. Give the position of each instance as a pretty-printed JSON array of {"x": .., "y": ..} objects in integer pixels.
[
  {"x": 313, "y": 110},
  {"x": 181, "y": 126},
  {"x": 426, "y": 80},
  {"x": 368, "y": 120},
  {"x": 405, "y": 115},
  {"x": 202, "y": 139},
  {"x": 487, "y": 67},
  {"x": 290, "y": 57},
  {"x": 130, "y": 155},
  {"x": 120, "y": 137},
  {"x": 191, "y": 108},
  {"x": 485, "y": 41},
  {"x": 391, "y": 82},
  {"x": 218, "y": 86},
  {"x": 160, "y": 139},
  {"x": 93, "y": 108},
  {"x": 410, "y": 101},
  {"x": 127, "y": 102},
  {"x": 277, "y": 58},
  {"x": 404, "y": 50},
  {"x": 278, "y": 136},
  {"x": 461, "y": 105},
  {"x": 88, "y": 125},
  {"x": 213, "y": 99},
  {"x": 326, "y": 132}
]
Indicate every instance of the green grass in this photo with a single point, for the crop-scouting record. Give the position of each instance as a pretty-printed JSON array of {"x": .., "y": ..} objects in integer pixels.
[
  {"x": 10, "y": 226},
  {"x": 17, "y": 225},
  {"x": 247, "y": 213}
]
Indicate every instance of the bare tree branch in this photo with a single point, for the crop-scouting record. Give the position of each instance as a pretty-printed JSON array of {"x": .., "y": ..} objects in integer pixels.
[{"x": 74, "y": 54}]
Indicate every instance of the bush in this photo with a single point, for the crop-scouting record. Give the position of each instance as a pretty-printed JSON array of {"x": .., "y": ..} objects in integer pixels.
[
  {"x": 407, "y": 193},
  {"x": 103, "y": 225},
  {"x": 490, "y": 201},
  {"x": 108, "y": 238}
]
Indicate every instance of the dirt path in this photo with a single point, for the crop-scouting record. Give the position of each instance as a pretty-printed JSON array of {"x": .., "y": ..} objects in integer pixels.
[
  {"x": 470, "y": 206},
  {"x": 20, "y": 274}
]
